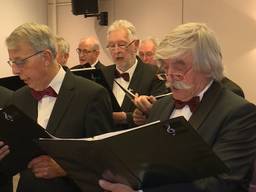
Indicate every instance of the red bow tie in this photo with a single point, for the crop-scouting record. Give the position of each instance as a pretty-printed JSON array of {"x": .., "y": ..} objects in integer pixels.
[
  {"x": 38, "y": 95},
  {"x": 192, "y": 103},
  {"x": 125, "y": 76}
]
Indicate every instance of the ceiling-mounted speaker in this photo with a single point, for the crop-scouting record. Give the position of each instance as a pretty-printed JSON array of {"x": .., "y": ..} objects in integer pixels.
[{"x": 83, "y": 7}]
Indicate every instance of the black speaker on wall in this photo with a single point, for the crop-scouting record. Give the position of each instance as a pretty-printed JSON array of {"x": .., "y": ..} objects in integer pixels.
[{"x": 83, "y": 7}]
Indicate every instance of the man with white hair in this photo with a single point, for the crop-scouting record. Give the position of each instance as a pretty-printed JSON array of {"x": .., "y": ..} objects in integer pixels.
[
  {"x": 66, "y": 105},
  {"x": 192, "y": 60},
  {"x": 147, "y": 50},
  {"x": 128, "y": 70}
]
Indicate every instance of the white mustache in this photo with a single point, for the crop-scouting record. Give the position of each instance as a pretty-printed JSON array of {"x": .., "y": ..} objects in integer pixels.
[{"x": 178, "y": 85}]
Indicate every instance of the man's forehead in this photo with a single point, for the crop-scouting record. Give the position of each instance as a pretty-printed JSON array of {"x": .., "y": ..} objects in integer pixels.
[
  {"x": 21, "y": 46},
  {"x": 118, "y": 35}
]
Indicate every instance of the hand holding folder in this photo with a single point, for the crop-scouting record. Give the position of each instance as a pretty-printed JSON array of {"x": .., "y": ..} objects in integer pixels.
[
  {"x": 19, "y": 132},
  {"x": 147, "y": 156}
]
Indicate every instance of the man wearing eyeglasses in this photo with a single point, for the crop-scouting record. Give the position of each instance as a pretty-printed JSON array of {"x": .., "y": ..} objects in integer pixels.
[
  {"x": 66, "y": 105},
  {"x": 88, "y": 52},
  {"x": 147, "y": 50},
  {"x": 192, "y": 60},
  {"x": 129, "y": 71}
]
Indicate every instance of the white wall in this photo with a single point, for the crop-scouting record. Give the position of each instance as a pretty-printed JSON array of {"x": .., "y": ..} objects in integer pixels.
[
  {"x": 14, "y": 13},
  {"x": 149, "y": 22},
  {"x": 234, "y": 22}
]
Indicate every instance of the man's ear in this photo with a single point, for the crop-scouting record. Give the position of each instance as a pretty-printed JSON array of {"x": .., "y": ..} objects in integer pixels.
[{"x": 47, "y": 56}]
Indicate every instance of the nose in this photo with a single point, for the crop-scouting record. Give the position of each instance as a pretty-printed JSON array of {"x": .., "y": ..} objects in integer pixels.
[{"x": 15, "y": 69}]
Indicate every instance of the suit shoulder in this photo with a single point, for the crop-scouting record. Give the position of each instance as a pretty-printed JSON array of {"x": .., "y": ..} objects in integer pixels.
[{"x": 88, "y": 86}]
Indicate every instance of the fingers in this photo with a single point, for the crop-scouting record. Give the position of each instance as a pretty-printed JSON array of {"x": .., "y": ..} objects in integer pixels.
[
  {"x": 139, "y": 118},
  {"x": 45, "y": 167},
  {"x": 119, "y": 117},
  {"x": 106, "y": 185},
  {"x": 114, "y": 187},
  {"x": 4, "y": 150},
  {"x": 144, "y": 103}
]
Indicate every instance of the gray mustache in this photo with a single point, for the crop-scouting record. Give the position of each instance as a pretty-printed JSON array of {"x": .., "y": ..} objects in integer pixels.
[{"x": 178, "y": 85}]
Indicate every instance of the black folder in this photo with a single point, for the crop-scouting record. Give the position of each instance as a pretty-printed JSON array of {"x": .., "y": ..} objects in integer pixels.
[
  {"x": 12, "y": 82},
  {"x": 156, "y": 154},
  {"x": 97, "y": 76},
  {"x": 19, "y": 132}
]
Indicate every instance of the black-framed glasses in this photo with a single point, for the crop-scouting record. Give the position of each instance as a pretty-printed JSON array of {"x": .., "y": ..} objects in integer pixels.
[
  {"x": 122, "y": 45},
  {"x": 21, "y": 62},
  {"x": 83, "y": 51}
]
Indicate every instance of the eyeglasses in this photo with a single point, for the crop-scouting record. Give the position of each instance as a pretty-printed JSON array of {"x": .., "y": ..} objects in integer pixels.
[
  {"x": 146, "y": 54},
  {"x": 83, "y": 51},
  {"x": 178, "y": 76},
  {"x": 122, "y": 45},
  {"x": 21, "y": 62}
]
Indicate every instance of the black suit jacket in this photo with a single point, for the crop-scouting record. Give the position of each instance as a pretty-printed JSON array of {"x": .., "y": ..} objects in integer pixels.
[
  {"x": 98, "y": 65},
  {"x": 82, "y": 109},
  {"x": 227, "y": 123},
  {"x": 5, "y": 182},
  {"x": 143, "y": 82},
  {"x": 232, "y": 86}
]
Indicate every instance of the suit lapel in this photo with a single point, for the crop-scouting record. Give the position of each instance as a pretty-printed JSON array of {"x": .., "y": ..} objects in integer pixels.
[
  {"x": 135, "y": 83},
  {"x": 65, "y": 96},
  {"x": 108, "y": 73},
  {"x": 208, "y": 102}
]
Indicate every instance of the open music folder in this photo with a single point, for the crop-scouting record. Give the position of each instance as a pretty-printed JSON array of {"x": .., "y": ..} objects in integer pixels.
[
  {"x": 19, "y": 132},
  {"x": 147, "y": 156},
  {"x": 12, "y": 82},
  {"x": 97, "y": 76}
]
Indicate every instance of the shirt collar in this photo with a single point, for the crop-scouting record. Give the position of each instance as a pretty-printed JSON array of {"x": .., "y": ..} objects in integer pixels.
[
  {"x": 201, "y": 94},
  {"x": 130, "y": 70},
  {"x": 57, "y": 80},
  {"x": 93, "y": 65}
]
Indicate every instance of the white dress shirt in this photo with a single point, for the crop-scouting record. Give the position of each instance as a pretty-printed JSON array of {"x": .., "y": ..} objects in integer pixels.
[
  {"x": 117, "y": 91},
  {"x": 45, "y": 105},
  {"x": 93, "y": 65}
]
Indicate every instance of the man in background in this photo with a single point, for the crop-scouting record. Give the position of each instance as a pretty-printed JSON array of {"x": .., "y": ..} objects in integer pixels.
[
  {"x": 128, "y": 70},
  {"x": 192, "y": 60},
  {"x": 147, "y": 50},
  {"x": 66, "y": 105},
  {"x": 88, "y": 52},
  {"x": 63, "y": 48}
]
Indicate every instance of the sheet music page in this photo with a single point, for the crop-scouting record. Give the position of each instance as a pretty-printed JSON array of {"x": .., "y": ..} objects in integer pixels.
[{"x": 103, "y": 136}]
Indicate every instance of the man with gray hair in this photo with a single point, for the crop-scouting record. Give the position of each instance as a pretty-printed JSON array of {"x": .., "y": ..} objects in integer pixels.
[
  {"x": 192, "y": 60},
  {"x": 88, "y": 52},
  {"x": 63, "y": 48},
  {"x": 128, "y": 70},
  {"x": 66, "y": 105},
  {"x": 147, "y": 50}
]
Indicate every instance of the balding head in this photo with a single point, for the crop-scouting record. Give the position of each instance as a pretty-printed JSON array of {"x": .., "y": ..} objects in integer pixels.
[{"x": 88, "y": 50}]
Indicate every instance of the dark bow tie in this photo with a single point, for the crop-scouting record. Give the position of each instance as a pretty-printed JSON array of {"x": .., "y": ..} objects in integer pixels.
[
  {"x": 125, "y": 76},
  {"x": 192, "y": 103},
  {"x": 86, "y": 65},
  {"x": 38, "y": 95}
]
